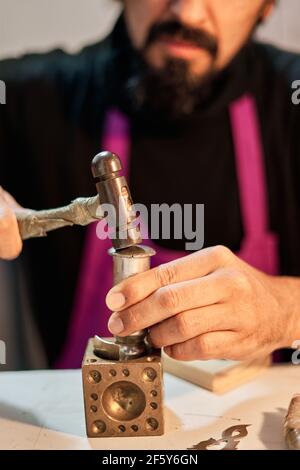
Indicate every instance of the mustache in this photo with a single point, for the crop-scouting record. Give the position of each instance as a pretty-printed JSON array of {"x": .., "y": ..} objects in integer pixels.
[{"x": 175, "y": 29}]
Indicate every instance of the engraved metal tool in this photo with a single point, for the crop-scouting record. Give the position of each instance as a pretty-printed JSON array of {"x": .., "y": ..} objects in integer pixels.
[
  {"x": 128, "y": 256},
  {"x": 292, "y": 424},
  {"x": 114, "y": 192},
  {"x": 122, "y": 377},
  {"x": 126, "y": 263}
]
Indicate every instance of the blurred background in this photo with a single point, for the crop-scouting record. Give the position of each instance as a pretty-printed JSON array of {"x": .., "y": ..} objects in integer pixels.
[{"x": 44, "y": 24}]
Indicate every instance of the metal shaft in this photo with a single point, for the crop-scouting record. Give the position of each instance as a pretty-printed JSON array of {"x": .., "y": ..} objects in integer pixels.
[
  {"x": 129, "y": 258},
  {"x": 127, "y": 263},
  {"x": 82, "y": 211}
]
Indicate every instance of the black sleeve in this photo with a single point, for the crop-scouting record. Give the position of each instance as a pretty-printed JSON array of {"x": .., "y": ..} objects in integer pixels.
[
  {"x": 34, "y": 87},
  {"x": 46, "y": 146},
  {"x": 51, "y": 110}
]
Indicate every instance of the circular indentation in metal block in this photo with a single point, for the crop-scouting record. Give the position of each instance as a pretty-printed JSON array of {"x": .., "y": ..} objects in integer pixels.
[
  {"x": 94, "y": 396},
  {"x": 123, "y": 401},
  {"x": 151, "y": 424},
  {"x": 150, "y": 359},
  {"x": 94, "y": 409},
  {"x": 98, "y": 427},
  {"x": 153, "y": 393},
  {"x": 149, "y": 374},
  {"x": 125, "y": 372},
  {"x": 92, "y": 361},
  {"x": 112, "y": 373},
  {"x": 122, "y": 428},
  {"x": 135, "y": 428},
  {"x": 94, "y": 377},
  {"x": 153, "y": 406}
]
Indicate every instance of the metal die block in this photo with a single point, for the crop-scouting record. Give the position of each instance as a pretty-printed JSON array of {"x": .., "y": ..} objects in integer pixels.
[{"x": 123, "y": 398}]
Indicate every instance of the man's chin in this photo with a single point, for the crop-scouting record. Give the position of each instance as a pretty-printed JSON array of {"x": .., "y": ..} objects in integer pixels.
[{"x": 173, "y": 91}]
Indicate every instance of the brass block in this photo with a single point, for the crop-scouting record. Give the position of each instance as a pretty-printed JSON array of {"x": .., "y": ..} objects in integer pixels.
[{"x": 123, "y": 399}]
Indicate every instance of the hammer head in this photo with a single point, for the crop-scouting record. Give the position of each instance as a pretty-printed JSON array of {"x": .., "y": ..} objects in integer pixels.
[
  {"x": 105, "y": 164},
  {"x": 114, "y": 192}
]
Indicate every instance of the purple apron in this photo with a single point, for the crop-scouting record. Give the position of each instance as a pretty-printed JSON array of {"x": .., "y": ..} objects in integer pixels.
[{"x": 258, "y": 248}]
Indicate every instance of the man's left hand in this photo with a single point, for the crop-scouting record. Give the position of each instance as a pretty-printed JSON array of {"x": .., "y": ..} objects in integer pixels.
[{"x": 208, "y": 305}]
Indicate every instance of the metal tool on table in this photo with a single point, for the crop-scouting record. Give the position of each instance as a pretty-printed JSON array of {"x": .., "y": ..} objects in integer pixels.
[
  {"x": 122, "y": 378},
  {"x": 292, "y": 424}
]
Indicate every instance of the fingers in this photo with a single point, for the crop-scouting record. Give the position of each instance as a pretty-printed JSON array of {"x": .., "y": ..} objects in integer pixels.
[
  {"x": 10, "y": 240},
  {"x": 190, "y": 324},
  {"x": 169, "y": 301},
  {"x": 134, "y": 289},
  {"x": 215, "y": 345}
]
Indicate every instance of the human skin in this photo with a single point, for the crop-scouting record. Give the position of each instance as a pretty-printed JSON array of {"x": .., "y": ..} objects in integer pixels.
[
  {"x": 209, "y": 305},
  {"x": 230, "y": 22},
  {"x": 10, "y": 239}
]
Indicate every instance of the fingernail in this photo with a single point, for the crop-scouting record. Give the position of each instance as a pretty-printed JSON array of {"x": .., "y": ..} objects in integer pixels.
[
  {"x": 115, "y": 324},
  {"x": 115, "y": 300}
]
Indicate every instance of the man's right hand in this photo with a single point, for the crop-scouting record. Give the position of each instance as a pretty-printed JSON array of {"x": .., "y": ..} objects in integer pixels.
[{"x": 10, "y": 240}]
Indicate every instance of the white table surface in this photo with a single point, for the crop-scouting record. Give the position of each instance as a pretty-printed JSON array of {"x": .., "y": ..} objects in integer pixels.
[{"x": 44, "y": 410}]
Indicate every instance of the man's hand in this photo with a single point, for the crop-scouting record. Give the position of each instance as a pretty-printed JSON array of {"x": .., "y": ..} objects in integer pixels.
[
  {"x": 208, "y": 305},
  {"x": 10, "y": 240}
]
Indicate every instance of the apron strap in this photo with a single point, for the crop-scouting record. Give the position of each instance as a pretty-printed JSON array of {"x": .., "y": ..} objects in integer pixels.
[
  {"x": 250, "y": 166},
  {"x": 116, "y": 137}
]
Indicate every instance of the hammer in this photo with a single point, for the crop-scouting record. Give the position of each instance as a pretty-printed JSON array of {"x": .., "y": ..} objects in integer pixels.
[{"x": 112, "y": 189}]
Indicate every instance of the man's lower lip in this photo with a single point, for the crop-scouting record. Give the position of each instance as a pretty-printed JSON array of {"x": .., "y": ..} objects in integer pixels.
[{"x": 181, "y": 48}]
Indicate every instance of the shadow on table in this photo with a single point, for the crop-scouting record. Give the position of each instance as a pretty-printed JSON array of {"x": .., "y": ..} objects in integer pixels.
[
  {"x": 172, "y": 424},
  {"x": 270, "y": 432},
  {"x": 272, "y": 429},
  {"x": 13, "y": 413}
]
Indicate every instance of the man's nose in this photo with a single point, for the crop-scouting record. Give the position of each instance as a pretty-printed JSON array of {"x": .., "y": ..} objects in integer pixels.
[{"x": 191, "y": 12}]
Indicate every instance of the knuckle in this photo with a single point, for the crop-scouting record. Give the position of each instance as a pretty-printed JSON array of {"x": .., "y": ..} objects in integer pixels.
[
  {"x": 132, "y": 288},
  {"x": 165, "y": 274},
  {"x": 169, "y": 298},
  {"x": 130, "y": 319},
  {"x": 182, "y": 325},
  {"x": 156, "y": 338},
  {"x": 205, "y": 347},
  {"x": 221, "y": 254},
  {"x": 240, "y": 282},
  {"x": 179, "y": 352}
]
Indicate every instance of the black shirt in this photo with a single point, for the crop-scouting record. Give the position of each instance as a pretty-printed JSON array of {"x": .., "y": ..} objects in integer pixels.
[{"x": 51, "y": 127}]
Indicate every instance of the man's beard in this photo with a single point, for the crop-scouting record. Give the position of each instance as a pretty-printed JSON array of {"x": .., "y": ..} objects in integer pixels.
[{"x": 172, "y": 92}]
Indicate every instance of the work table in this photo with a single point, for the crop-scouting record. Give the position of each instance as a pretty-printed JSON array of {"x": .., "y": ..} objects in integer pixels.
[{"x": 44, "y": 410}]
